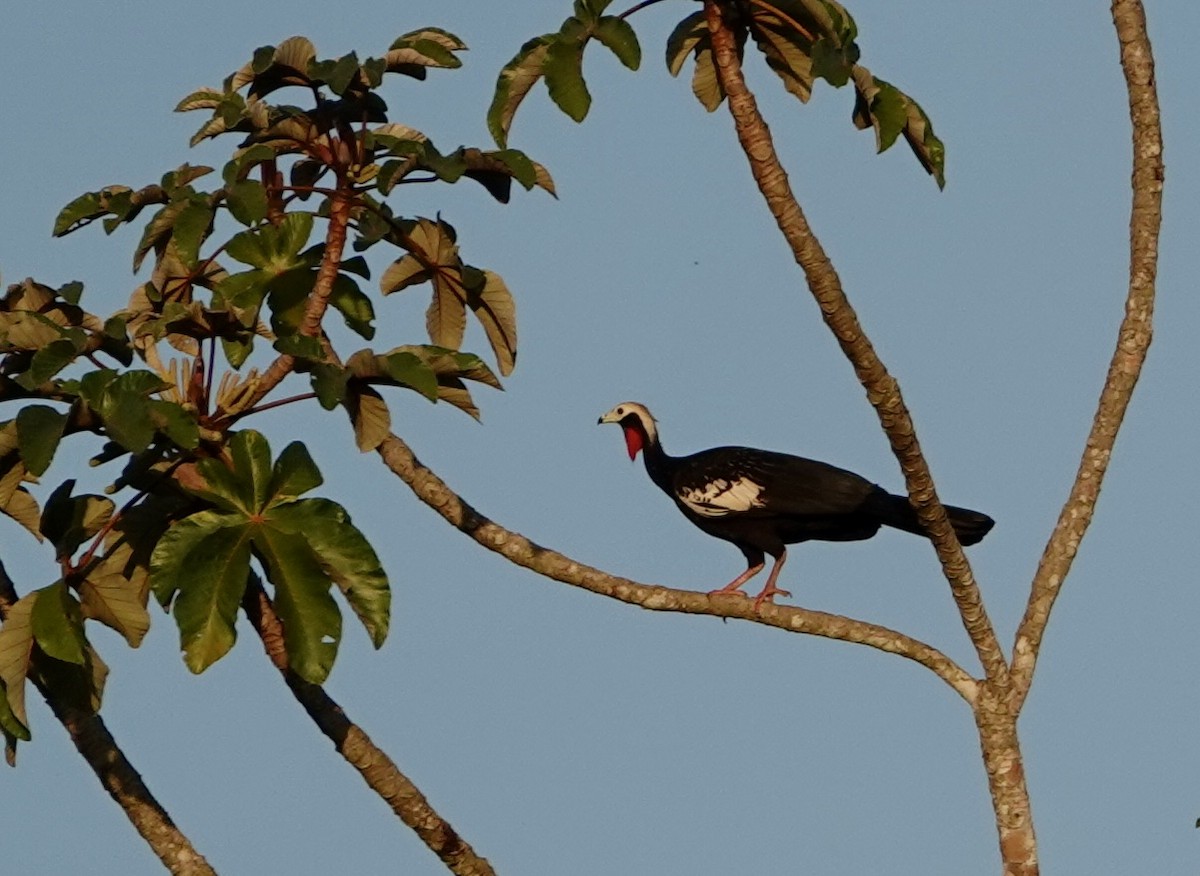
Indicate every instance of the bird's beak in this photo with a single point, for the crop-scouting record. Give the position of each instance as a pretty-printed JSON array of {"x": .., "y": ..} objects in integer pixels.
[{"x": 610, "y": 417}]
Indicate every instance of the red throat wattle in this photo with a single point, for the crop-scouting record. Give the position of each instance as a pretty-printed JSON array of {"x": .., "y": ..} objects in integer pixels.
[{"x": 633, "y": 440}]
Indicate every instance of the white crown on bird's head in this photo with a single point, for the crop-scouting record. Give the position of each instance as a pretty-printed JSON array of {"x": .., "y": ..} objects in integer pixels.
[{"x": 622, "y": 413}]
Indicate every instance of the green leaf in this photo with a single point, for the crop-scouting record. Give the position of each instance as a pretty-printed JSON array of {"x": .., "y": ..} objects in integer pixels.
[
  {"x": 301, "y": 347},
  {"x": 354, "y": 306},
  {"x": 57, "y": 624},
  {"x": 411, "y": 371},
  {"x": 190, "y": 228},
  {"x": 16, "y": 647},
  {"x": 47, "y": 362},
  {"x": 312, "y": 624},
  {"x": 294, "y": 474},
  {"x": 513, "y": 84},
  {"x": 175, "y": 421},
  {"x": 618, "y": 35},
  {"x": 563, "y": 69},
  {"x": 329, "y": 383},
  {"x": 206, "y": 560},
  {"x": 39, "y": 430},
  {"x": 345, "y": 556},
  {"x": 71, "y": 292},
  {"x": 252, "y": 467},
  {"x": 247, "y": 201},
  {"x": 275, "y": 248},
  {"x": 77, "y": 213}
]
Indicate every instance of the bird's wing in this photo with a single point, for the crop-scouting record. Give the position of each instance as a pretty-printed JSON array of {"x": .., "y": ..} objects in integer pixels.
[{"x": 743, "y": 481}]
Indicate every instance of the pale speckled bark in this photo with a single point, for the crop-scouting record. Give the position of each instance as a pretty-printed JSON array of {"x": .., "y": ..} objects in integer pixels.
[
  {"x": 353, "y": 744},
  {"x": 1133, "y": 339},
  {"x": 116, "y": 774},
  {"x": 882, "y": 389},
  {"x": 996, "y": 718},
  {"x": 433, "y": 491}
]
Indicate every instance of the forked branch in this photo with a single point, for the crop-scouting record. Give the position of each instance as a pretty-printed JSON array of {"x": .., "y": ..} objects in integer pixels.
[
  {"x": 1133, "y": 340},
  {"x": 513, "y": 546},
  {"x": 882, "y": 389}
]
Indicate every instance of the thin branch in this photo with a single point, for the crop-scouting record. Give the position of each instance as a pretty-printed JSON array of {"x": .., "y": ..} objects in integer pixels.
[
  {"x": 372, "y": 763},
  {"x": 116, "y": 774},
  {"x": 882, "y": 390},
  {"x": 1133, "y": 340},
  {"x": 278, "y": 403},
  {"x": 433, "y": 491}
]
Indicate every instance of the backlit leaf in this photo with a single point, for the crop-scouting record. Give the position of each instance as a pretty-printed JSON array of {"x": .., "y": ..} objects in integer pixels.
[
  {"x": 294, "y": 474},
  {"x": 16, "y": 646},
  {"x": 369, "y": 414},
  {"x": 494, "y": 308},
  {"x": 115, "y": 601}
]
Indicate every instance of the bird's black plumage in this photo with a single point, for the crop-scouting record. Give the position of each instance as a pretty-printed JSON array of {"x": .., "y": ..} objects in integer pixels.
[{"x": 762, "y": 501}]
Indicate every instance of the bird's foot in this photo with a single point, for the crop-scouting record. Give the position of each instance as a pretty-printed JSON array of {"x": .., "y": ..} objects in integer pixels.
[
  {"x": 768, "y": 595},
  {"x": 727, "y": 590}
]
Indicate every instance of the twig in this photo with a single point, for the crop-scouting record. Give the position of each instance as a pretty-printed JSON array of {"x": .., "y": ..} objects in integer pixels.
[{"x": 1133, "y": 340}]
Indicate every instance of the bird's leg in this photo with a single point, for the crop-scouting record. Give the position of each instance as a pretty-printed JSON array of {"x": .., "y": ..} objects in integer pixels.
[
  {"x": 771, "y": 591},
  {"x": 735, "y": 585}
]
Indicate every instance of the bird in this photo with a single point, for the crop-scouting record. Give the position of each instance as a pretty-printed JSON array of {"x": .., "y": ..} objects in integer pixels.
[{"x": 762, "y": 501}]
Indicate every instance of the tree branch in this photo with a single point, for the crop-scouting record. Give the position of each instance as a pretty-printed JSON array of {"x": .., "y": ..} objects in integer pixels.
[
  {"x": 513, "y": 546},
  {"x": 882, "y": 390},
  {"x": 116, "y": 774},
  {"x": 353, "y": 744},
  {"x": 1133, "y": 340}
]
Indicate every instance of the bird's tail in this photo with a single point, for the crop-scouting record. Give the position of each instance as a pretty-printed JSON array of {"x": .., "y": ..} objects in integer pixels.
[{"x": 895, "y": 511}]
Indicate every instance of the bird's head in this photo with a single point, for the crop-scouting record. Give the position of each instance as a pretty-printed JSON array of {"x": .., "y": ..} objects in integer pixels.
[{"x": 637, "y": 423}]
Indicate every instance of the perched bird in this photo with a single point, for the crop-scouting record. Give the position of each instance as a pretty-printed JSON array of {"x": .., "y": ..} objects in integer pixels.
[{"x": 762, "y": 501}]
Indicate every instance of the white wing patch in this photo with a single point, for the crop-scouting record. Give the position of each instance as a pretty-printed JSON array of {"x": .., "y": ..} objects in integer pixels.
[{"x": 721, "y": 497}]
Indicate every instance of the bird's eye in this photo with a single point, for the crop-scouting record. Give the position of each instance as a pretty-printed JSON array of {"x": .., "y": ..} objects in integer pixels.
[{"x": 620, "y": 412}]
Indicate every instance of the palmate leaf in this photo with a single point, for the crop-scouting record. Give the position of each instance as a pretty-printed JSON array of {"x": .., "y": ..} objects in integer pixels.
[
  {"x": 563, "y": 69},
  {"x": 69, "y": 521},
  {"x": 370, "y": 417},
  {"x": 201, "y": 566},
  {"x": 115, "y": 601},
  {"x": 15, "y": 500},
  {"x": 346, "y": 557}
]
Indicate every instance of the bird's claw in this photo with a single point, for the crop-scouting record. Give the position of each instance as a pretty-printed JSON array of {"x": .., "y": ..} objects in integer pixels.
[{"x": 769, "y": 595}]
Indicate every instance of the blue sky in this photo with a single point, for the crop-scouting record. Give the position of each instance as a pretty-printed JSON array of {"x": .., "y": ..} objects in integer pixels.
[{"x": 564, "y": 733}]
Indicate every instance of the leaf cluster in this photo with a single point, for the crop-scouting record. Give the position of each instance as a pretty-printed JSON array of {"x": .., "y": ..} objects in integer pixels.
[
  {"x": 800, "y": 40},
  {"x": 249, "y": 258}
]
